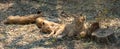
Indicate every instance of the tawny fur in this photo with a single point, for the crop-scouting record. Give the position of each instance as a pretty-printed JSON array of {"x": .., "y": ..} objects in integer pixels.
[
  {"x": 54, "y": 29},
  {"x": 75, "y": 27},
  {"x": 21, "y": 19},
  {"x": 88, "y": 31}
]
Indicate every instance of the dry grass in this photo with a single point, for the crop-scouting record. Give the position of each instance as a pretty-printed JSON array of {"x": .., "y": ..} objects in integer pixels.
[{"x": 28, "y": 36}]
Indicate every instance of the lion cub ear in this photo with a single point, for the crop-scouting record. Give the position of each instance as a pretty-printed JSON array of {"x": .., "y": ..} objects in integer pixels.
[{"x": 82, "y": 18}]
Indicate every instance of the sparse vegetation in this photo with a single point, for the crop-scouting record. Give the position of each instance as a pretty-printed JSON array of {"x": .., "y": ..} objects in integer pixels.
[{"x": 28, "y": 36}]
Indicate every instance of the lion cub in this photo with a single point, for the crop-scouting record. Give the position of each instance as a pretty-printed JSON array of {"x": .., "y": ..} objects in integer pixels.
[
  {"x": 75, "y": 27},
  {"x": 52, "y": 28},
  {"x": 21, "y": 19}
]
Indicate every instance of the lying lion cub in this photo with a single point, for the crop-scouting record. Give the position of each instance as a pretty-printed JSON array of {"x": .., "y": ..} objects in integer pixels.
[
  {"x": 21, "y": 19},
  {"x": 54, "y": 29}
]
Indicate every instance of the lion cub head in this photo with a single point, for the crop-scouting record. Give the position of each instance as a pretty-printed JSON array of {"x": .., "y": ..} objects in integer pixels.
[
  {"x": 40, "y": 22},
  {"x": 43, "y": 25},
  {"x": 80, "y": 19}
]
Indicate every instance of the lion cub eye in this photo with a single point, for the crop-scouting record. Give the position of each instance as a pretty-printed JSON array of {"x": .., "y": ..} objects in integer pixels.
[{"x": 43, "y": 23}]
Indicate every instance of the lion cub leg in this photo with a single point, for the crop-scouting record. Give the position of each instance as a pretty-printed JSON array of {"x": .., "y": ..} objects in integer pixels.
[
  {"x": 58, "y": 32},
  {"x": 50, "y": 34}
]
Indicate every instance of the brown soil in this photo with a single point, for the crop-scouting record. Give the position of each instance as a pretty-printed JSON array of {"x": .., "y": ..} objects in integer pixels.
[{"x": 28, "y": 36}]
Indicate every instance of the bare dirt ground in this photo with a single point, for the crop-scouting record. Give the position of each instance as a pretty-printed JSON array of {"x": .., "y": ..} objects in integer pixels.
[{"x": 28, "y": 36}]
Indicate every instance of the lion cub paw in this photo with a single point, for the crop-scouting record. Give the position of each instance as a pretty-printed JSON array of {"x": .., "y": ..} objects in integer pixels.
[{"x": 46, "y": 36}]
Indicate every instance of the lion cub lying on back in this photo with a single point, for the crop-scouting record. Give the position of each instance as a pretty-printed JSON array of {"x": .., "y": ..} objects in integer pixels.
[{"x": 54, "y": 29}]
